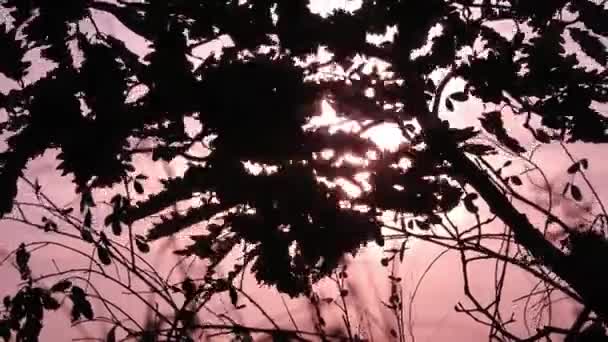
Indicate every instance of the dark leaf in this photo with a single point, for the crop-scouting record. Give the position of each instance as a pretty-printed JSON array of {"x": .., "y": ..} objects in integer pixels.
[
  {"x": 67, "y": 211},
  {"x": 88, "y": 219},
  {"x": 49, "y": 302},
  {"x": 449, "y": 104},
  {"x": 111, "y": 336},
  {"x": 469, "y": 203},
  {"x": 142, "y": 246},
  {"x": 576, "y": 192},
  {"x": 515, "y": 180},
  {"x": 103, "y": 239},
  {"x": 87, "y": 310},
  {"x": 108, "y": 220},
  {"x": 479, "y": 149},
  {"x": 86, "y": 235},
  {"x": 81, "y": 306},
  {"x": 104, "y": 255},
  {"x": 543, "y": 136},
  {"x": 188, "y": 288},
  {"x": 22, "y": 257},
  {"x": 86, "y": 200},
  {"x": 518, "y": 38},
  {"x": 116, "y": 227},
  {"x": 234, "y": 297},
  {"x": 459, "y": 96},
  {"x": 424, "y": 225},
  {"x": 138, "y": 187},
  {"x": 141, "y": 177},
  {"x": 493, "y": 124},
  {"x": 430, "y": 85},
  {"x": 61, "y": 286},
  {"x": 12, "y": 63},
  {"x": 464, "y": 134},
  {"x": 574, "y": 168}
]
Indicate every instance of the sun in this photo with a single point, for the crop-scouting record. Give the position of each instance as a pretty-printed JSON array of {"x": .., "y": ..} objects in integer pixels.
[{"x": 387, "y": 136}]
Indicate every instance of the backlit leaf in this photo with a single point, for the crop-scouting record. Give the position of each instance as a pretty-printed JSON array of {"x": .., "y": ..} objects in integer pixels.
[
  {"x": 142, "y": 246},
  {"x": 574, "y": 168},
  {"x": 234, "y": 297},
  {"x": 449, "y": 104},
  {"x": 575, "y": 191},
  {"x": 138, "y": 187},
  {"x": 459, "y": 96},
  {"x": 515, "y": 180},
  {"x": 61, "y": 286},
  {"x": 111, "y": 336},
  {"x": 104, "y": 255}
]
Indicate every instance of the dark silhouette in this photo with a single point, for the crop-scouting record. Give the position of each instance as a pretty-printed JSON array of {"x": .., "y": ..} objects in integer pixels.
[{"x": 252, "y": 104}]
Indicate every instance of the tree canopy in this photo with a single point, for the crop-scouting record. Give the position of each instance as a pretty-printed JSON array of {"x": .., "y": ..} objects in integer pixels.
[{"x": 253, "y": 102}]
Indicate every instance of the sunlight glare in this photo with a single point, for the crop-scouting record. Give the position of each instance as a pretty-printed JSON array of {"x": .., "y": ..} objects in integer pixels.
[
  {"x": 325, "y": 7},
  {"x": 386, "y": 136},
  {"x": 327, "y": 154},
  {"x": 349, "y": 187},
  {"x": 329, "y": 118},
  {"x": 257, "y": 169}
]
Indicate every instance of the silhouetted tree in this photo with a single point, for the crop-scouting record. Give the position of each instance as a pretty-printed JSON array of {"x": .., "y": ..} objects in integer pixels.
[{"x": 253, "y": 101}]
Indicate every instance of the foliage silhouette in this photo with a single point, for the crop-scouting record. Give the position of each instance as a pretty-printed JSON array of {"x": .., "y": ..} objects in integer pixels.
[{"x": 253, "y": 102}]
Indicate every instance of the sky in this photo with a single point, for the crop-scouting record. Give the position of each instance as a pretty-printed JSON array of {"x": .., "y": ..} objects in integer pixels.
[{"x": 434, "y": 317}]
